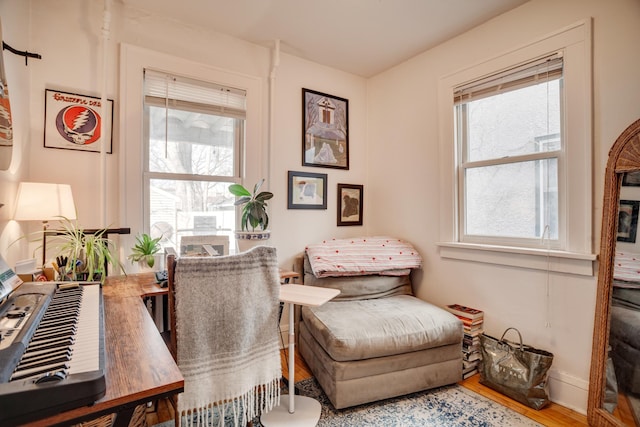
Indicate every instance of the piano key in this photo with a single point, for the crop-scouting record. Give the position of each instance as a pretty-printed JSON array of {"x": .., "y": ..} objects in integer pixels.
[
  {"x": 43, "y": 352},
  {"x": 18, "y": 375},
  {"x": 57, "y": 314},
  {"x": 31, "y": 357},
  {"x": 63, "y": 322},
  {"x": 47, "y": 332},
  {"x": 45, "y": 361},
  {"x": 86, "y": 348},
  {"x": 60, "y": 332},
  {"x": 53, "y": 345}
]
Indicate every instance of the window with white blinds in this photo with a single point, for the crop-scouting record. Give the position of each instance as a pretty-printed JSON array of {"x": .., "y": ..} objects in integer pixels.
[
  {"x": 194, "y": 134},
  {"x": 509, "y": 133}
]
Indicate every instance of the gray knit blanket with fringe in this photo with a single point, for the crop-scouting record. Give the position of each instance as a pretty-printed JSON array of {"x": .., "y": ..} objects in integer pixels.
[{"x": 228, "y": 350}]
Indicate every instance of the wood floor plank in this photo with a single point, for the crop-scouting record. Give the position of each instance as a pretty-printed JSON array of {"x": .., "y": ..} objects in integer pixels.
[{"x": 553, "y": 415}]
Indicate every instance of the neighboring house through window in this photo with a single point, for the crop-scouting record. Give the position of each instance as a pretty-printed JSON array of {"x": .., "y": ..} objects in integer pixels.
[{"x": 510, "y": 149}]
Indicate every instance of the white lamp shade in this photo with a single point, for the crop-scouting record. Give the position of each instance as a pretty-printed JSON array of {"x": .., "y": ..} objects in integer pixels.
[{"x": 38, "y": 201}]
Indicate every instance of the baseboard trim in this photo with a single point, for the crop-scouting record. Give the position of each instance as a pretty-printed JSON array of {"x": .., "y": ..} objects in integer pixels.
[{"x": 569, "y": 391}]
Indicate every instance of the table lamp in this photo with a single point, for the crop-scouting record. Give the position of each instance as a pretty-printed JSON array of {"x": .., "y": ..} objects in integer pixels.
[{"x": 38, "y": 201}]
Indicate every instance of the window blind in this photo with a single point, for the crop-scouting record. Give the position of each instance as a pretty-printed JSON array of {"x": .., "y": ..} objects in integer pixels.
[
  {"x": 535, "y": 72},
  {"x": 185, "y": 93}
]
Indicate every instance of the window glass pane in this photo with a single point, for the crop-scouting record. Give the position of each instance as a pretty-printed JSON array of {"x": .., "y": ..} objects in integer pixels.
[
  {"x": 190, "y": 208},
  {"x": 197, "y": 143},
  {"x": 513, "y": 123},
  {"x": 514, "y": 200}
]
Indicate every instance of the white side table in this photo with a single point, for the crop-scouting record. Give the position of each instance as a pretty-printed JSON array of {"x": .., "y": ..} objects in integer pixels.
[{"x": 301, "y": 411}]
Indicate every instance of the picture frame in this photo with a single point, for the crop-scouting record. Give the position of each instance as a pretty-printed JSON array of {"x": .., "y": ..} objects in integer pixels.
[
  {"x": 213, "y": 245},
  {"x": 307, "y": 190},
  {"x": 325, "y": 130},
  {"x": 631, "y": 179},
  {"x": 73, "y": 122},
  {"x": 350, "y": 203},
  {"x": 628, "y": 220}
]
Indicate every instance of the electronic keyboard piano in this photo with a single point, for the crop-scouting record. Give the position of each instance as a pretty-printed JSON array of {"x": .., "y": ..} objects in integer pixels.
[{"x": 51, "y": 350}]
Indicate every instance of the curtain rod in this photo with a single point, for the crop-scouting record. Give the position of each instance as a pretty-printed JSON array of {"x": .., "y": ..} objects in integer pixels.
[{"x": 24, "y": 53}]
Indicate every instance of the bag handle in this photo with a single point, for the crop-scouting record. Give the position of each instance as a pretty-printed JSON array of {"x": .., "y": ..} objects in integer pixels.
[{"x": 519, "y": 336}]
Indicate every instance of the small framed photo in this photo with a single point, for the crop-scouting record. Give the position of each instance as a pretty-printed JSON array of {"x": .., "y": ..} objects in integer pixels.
[
  {"x": 307, "y": 190},
  {"x": 631, "y": 179},
  {"x": 350, "y": 204},
  {"x": 204, "y": 245},
  {"x": 325, "y": 130},
  {"x": 628, "y": 220},
  {"x": 74, "y": 122}
]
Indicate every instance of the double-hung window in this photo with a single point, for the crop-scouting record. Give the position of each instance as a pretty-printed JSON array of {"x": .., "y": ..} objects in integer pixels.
[
  {"x": 516, "y": 156},
  {"x": 509, "y": 134},
  {"x": 194, "y": 133}
]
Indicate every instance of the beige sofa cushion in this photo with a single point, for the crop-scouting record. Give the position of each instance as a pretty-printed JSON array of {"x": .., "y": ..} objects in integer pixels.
[{"x": 363, "y": 329}]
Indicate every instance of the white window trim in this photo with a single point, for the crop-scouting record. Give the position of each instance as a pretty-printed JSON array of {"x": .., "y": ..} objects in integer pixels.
[
  {"x": 575, "y": 43},
  {"x": 133, "y": 61}
]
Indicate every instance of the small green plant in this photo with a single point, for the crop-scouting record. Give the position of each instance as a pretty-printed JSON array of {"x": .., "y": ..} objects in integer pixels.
[
  {"x": 145, "y": 249},
  {"x": 254, "y": 206}
]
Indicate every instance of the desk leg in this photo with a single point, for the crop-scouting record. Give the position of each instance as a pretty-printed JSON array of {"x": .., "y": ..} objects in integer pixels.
[
  {"x": 123, "y": 418},
  {"x": 308, "y": 409}
]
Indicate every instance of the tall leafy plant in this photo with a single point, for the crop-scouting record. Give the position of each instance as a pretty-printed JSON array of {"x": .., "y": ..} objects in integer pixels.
[{"x": 254, "y": 206}]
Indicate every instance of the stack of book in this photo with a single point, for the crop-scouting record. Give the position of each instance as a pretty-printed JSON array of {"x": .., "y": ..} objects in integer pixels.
[{"x": 472, "y": 320}]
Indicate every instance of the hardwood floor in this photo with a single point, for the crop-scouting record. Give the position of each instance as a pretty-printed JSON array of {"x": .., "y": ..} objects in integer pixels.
[{"x": 552, "y": 416}]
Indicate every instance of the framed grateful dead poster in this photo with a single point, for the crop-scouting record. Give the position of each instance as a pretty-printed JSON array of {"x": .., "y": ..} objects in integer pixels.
[{"x": 74, "y": 122}]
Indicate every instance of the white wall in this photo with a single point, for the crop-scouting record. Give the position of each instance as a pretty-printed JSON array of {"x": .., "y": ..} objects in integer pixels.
[
  {"x": 68, "y": 34},
  {"x": 403, "y": 118},
  {"x": 296, "y": 228}
]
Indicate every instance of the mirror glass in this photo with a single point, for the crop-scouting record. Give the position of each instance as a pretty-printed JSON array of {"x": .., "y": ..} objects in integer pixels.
[
  {"x": 614, "y": 389},
  {"x": 624, "y": 329}
]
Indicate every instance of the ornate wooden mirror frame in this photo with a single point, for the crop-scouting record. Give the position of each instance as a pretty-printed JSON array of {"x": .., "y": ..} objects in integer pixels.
[{"x": 624, "y": 156}]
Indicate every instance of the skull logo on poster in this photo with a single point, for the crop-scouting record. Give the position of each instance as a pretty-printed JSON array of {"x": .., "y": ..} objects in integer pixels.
[{"x": 78, "y": 124}]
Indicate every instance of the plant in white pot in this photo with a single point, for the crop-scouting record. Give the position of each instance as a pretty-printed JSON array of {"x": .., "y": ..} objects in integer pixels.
[
  {"x": 145, "y": 250},
  {"x": 254, "y": 215}
]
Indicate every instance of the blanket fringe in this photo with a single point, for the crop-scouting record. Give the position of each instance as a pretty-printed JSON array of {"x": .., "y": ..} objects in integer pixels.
[{"x": 240, "y": 410}]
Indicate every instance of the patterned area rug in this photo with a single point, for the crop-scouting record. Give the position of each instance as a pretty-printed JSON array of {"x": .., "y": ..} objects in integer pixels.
[{"x": 445, "y": 406}]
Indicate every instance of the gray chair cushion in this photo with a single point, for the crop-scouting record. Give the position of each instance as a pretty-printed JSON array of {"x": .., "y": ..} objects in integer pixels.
[
  {"x": 360, "y": 287},
  {"x": 363, "y": 329}
]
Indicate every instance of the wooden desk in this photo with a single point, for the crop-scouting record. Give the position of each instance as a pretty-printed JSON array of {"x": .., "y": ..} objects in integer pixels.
[{"x": 138, "y": 365}]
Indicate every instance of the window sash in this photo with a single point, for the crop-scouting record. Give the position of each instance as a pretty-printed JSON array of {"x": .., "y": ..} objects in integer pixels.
[{"x": 530, "y": 73}]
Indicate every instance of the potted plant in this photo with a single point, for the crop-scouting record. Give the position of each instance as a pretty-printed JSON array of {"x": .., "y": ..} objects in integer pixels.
[
  {"x": 145, "y": 249},
  {"x": 86, "y": 255},
  {"x": 254, "y": 215}
]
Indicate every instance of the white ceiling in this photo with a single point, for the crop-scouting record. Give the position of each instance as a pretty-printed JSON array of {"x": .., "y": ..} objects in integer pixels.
[{"x": 363, "y": 37}]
